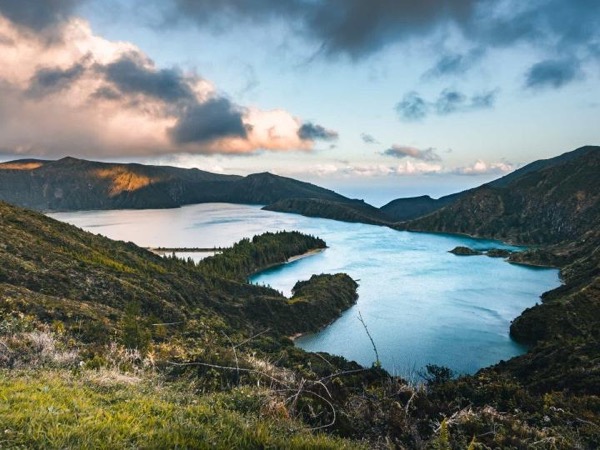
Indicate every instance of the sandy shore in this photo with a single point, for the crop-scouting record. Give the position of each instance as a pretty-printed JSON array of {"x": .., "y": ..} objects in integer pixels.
[{"x": 304, "y": 255}]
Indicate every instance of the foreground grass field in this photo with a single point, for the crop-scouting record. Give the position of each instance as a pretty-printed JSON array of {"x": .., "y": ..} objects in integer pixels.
[{"x": 107, "y": 410}]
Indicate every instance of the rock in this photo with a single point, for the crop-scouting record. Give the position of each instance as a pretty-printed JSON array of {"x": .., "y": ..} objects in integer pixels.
[
  {"x": 464, "y": 251},
  {"x": 498, "y": 253}
]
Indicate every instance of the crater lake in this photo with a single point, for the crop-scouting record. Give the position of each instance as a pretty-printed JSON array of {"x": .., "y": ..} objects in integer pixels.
[{"x": 421, "y": 304}]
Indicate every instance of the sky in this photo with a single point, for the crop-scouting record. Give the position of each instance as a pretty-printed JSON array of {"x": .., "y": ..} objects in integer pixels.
[{"x": 374, "y": 98}]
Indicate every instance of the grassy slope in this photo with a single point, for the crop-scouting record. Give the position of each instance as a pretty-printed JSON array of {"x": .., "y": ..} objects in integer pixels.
[
  {"x": 67, "y": 297},
  {"x": 49, "y": 409}
]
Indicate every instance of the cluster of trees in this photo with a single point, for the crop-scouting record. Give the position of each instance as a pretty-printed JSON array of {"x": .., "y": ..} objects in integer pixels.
[{"x": 251, "y": 255}]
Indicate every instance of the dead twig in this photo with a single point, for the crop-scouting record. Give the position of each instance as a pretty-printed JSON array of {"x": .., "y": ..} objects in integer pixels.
[{"x": 377, "y": 361}]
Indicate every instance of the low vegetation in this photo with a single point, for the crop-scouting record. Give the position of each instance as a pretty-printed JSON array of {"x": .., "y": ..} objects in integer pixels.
[{"x": 104, "y": 344}]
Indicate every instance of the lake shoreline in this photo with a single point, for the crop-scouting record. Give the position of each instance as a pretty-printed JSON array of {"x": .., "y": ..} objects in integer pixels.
[
  {"x": 405, "y": 278},
  {"x": 291, "y": 259}
]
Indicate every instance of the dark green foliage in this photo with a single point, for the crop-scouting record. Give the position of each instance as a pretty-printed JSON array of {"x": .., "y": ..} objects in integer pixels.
[
  {"x": 498, "y": 253},
  {"x": 435, "y": 374},
  {"x": 249, "y": 256},
  {"x": 135, "y": 331}
]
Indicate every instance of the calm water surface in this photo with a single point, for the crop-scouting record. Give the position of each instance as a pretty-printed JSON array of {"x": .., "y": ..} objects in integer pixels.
[{"x": 422, "y": 304}]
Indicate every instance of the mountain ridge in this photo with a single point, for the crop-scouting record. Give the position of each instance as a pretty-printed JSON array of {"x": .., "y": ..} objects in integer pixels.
[
  {"x": 549, "y": 203},
  {"x": 76, "y": 184}
]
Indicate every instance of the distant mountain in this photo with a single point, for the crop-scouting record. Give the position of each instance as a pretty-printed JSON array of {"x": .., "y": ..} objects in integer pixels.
[
  {"x": 75, "y": 184},
  {"x": 348, "y": 211},
  {"x": 404, "y": 209},
  {"x": 546, "y": 202}
]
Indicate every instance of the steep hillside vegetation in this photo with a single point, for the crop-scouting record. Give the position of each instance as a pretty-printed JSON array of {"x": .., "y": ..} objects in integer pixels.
[
  {"x": 75, "y": 184},
  {"x": 404, "y": 209},
  {"x": 547, "y": 206}
]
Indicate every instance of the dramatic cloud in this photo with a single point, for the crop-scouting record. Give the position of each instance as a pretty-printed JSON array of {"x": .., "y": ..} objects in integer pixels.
[
  {"x": 134, "y": 74},
  {"x": 312, "y": 132},
  {"x": 358, "y": 28},
  {"x": 402, "y": 151},
  {"x": 368, "y": 139},
  {"x": 413, "y": 107},
  {"x": 482, "y": 168},
  {"x": 205, "y": 122},
  {"x": 37, "y": 15},
  {"x": 351, "y": 27},
  {"x": 83, "y": 95},
  {"x": 51, "y": 80},
  {"x": 552, "y": 73}
]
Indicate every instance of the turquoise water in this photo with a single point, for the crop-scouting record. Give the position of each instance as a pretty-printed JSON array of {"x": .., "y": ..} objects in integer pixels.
[{"x": 421, "y": 304}]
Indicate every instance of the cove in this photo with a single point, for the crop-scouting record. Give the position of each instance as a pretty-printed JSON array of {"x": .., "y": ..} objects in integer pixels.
[{"x": 421, "y": 304}]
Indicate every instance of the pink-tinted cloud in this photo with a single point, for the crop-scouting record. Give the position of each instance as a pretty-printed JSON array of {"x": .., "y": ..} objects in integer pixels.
[
  {"x": 83, "y": 95},
  {"x": 480, "y": 167}
]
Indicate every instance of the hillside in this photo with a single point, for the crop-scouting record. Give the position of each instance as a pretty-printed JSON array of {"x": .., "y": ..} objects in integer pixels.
[
  {"x": 75, "y": 184},
  {"x": 405, "y": 209},
  {"x": 555, "y": 203}
]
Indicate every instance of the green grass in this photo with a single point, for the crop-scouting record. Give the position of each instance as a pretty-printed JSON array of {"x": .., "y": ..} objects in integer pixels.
[{"x": 59, "y": 409}]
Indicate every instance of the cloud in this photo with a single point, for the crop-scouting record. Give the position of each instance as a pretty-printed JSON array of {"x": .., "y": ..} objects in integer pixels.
[
  {"x": 402, "y": 151},
  {"x": 484, "y": 100},
  {"x": 135, "y": 74},
  {"x": 454, "y": 64},
  {"x": 552, "y": 73},
  {"x": 405, "y": 168},
  {"x": 359, "y": 28},
  {"x": 114, "y": 101},
  {"x": 480, "y": 167},
  {"x": 352, "y": 27},
  {"x": 38, "y": 15},
  {"x": 51, "y": 80},
  {"x": 450, "y": 101},
  {"x": 368, "y": 139},
  {"x": 312, "y": 132},
  {"x": 413, "y": 107},
  {"x": 204, "y": 122}
]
